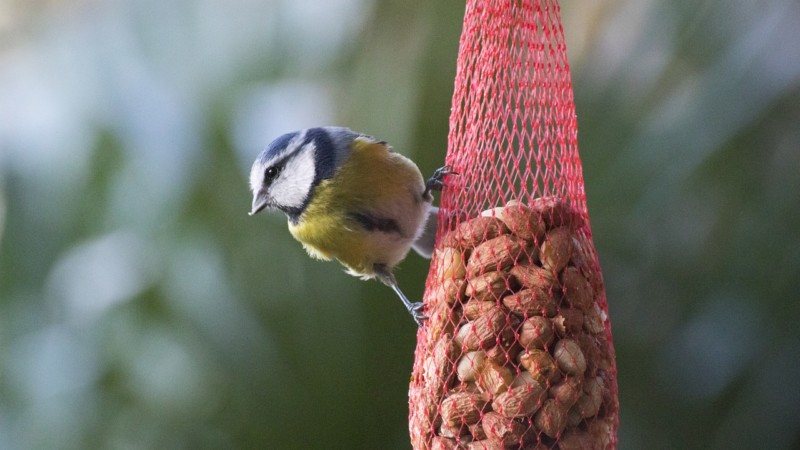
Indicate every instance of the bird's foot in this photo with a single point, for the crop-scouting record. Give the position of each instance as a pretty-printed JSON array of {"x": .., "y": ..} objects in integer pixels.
[
  {"x": 436, "y": 181},
  {"x": 416, "y": 311}
]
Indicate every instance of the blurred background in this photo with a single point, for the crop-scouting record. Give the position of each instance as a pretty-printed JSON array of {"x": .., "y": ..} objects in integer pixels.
[{"x": 141, "y": 308}]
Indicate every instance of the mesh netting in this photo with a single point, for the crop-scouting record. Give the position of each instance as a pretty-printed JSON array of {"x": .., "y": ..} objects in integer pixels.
[{"x": 517, "y": 350}]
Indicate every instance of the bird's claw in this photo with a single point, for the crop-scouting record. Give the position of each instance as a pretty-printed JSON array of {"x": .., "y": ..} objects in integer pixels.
[
  {"x": 436, "y": 181},
  {"x": 417, "y": 313}
]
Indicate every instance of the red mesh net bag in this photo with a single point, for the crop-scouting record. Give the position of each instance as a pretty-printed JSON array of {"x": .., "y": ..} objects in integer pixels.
[{"x": 517, "y": 350}]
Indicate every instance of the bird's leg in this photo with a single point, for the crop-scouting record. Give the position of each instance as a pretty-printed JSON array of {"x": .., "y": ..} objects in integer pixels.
[
  {"x": 415, "y": 309},
  {"x": 436, "y": 181}
]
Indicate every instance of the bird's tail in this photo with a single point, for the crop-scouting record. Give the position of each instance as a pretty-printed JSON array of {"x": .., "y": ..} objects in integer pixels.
[{"x": 426, "y": 240}]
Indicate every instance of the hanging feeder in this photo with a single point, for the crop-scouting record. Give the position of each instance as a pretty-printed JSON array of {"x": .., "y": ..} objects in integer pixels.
[{"x": 517, "y": 350}]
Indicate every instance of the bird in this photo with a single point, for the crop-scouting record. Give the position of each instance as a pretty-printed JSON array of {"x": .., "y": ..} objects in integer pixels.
[{"x": 349, "y": 197}]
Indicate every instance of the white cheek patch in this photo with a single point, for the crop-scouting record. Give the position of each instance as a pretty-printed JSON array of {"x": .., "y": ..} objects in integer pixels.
[
  {"x": 257, "y": 171},
  {"x": 295, "y": 180}
]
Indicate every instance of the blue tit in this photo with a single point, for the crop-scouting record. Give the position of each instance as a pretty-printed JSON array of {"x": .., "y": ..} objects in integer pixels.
[{"x": 349, "y": 197}]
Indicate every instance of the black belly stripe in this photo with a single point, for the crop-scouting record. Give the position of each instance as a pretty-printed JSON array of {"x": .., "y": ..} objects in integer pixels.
[{"x": 374, "y": 223}]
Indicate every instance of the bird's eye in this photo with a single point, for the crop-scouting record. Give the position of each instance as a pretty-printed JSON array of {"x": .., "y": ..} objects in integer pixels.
[{"x": 271, "y": 173}]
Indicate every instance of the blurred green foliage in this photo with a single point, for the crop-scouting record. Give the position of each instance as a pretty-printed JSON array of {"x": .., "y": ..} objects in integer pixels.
[{"x": 140, "y": 307}]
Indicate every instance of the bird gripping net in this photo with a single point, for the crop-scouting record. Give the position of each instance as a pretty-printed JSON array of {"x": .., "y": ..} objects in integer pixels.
[{"x": 517, "y": 349}]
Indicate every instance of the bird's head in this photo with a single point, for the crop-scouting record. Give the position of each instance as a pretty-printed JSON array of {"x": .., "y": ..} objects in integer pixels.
[{"x": 285, "y": 174}]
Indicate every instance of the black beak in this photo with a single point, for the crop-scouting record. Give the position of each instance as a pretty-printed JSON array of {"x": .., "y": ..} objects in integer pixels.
[{"x": 260, "y": 202}]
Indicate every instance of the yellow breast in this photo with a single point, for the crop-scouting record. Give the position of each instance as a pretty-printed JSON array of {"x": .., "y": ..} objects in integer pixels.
[{"x": 374, "y": 181}]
